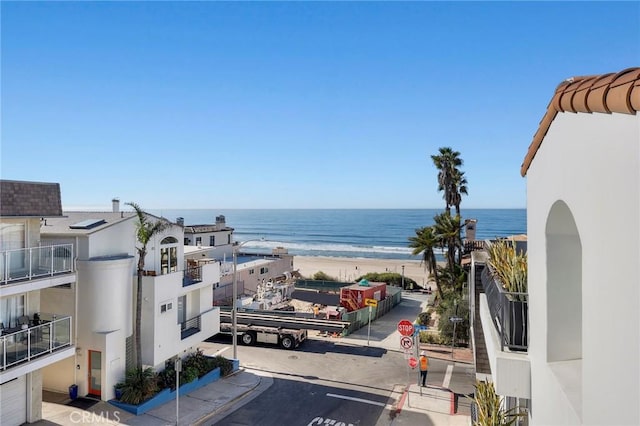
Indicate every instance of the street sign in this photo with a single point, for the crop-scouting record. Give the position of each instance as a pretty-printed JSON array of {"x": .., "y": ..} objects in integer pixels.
[
  {"x": 405, "y": 327},
  {"x": 371, "y": 302},
  {"x": 456, "y": 319},
  {"x": 406, "y": 342},
  {"x": 413, "y": 362}
]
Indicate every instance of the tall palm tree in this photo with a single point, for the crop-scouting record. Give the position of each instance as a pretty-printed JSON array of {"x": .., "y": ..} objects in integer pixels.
[
  {"x": 423, "y": 243},
  {"x": 458, "y": 187},
  {"x": 447, "y": 231},
  {"x": 447, "y": 162},
  {"x": 145, "y": 230}
]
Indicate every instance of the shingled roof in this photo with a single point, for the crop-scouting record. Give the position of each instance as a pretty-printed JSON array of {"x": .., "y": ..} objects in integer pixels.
[
  {"x": 29, "y": 199},
  {"x": 606, "y": 93}
]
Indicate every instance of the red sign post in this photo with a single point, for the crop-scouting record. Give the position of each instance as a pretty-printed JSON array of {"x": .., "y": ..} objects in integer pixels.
[
  {"x": 405, "y": 327},
  {"x": 413, "y": 362}
]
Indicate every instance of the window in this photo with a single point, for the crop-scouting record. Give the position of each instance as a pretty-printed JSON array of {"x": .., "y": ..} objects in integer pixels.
[
  {"x": 212, "y": 240},
  {"x": 252, "y": 271},
  {"x": 264, "y": 270},
  {"x": 187, "y": 241},
  {"x": 169, "y": 255},
  {"x": 229, "y": 239},
  {"x": 11, "y": 308},
  {"x": 167, "y": 306},
  {"x": 198, "y": 241}
]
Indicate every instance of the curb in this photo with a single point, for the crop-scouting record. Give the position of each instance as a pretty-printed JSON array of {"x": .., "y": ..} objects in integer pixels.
[{"x": 208, "y": 416}]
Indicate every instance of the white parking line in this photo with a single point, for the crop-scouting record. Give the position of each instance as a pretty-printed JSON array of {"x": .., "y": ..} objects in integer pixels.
[
  {"x": 447, "y": 377},
  {"x": 350, "y": 398}
]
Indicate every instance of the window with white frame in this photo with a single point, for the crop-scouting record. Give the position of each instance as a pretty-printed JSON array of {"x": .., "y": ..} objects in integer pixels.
[
  {"x": 212, "y": 240},
  {"x": 166, "y": 307},
  {"x": 168, "y": 255}
]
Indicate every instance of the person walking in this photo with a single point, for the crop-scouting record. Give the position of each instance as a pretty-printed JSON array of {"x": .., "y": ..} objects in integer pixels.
[{"x": 424, "y": 367}]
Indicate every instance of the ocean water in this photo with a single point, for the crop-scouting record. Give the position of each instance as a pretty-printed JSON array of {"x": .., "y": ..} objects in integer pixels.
[{"x": 370, "y": 233}]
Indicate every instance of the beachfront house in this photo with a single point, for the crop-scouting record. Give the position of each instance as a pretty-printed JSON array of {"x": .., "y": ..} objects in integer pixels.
[
  {"x": 177, "y": 313},
  {"x": 216, "y": 238},
  {"x": 32, "y": 336},
  {"x": 583, "y": 189}
]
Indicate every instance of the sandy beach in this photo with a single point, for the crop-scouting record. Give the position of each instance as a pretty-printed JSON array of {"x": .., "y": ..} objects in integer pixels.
[{"x": 348, "y": 269}]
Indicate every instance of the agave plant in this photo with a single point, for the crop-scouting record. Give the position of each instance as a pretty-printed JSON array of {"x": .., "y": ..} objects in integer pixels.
[
  {"x": 490, "y": 411},
  {"x": 508, "y": 266},
  {"x": 139, "y": 385}
]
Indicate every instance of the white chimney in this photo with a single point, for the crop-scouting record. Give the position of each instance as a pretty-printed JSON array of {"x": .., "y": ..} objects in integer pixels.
[{"x": 116, "y": 205}]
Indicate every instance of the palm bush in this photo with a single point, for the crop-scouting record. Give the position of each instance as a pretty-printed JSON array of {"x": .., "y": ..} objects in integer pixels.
[
  {"x": 490, "y": 411},
  {"x": 225, "y": 365},
  {"x": 139, "y": 385},
  {"x": 508, "y": 266}
]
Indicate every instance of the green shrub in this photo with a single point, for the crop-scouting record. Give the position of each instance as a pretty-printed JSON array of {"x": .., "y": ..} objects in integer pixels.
[
  {"x": 167, "y": 377},
  {"x": 199, "y": 361},
  {"x": 321, "y": 276},
  {"x": 139, "y": 385},
  {"x": 391, "y": 278},
  {"x": 424, "y": 318},
  {"x": 225, "y": 365},
  {"x": 188, "y": 374},
  {"x": 490, "y": 409}
]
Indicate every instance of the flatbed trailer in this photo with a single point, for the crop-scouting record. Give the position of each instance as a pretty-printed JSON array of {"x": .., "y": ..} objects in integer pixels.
[{"x": 287, "y": 338}]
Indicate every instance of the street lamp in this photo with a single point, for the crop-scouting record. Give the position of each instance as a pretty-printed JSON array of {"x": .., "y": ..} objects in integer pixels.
[{"x": 234, "y": 308}]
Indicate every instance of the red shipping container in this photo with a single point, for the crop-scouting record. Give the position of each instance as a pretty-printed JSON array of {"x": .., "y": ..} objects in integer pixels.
[{"x": 353, "y": 297}]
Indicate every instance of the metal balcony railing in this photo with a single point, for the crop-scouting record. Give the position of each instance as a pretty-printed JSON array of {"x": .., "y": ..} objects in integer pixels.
[
  {"x": 509, "y": 312},
  {"x": 190, "y": 327},
  {"x": 192, "y": 275},
  {"x": 19, "y": 345},
  {"x": 35, "y": 262}
]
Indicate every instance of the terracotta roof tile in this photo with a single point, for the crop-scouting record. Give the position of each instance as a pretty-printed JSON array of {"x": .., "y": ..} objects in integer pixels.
[{"x": 607, "y": 93}]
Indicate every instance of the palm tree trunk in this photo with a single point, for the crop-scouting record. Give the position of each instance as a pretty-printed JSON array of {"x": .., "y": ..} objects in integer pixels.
[{"x": 138, "y": 325}]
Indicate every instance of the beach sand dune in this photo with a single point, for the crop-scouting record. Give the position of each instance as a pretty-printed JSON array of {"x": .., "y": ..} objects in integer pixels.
[{"x": 348, "y": 269}]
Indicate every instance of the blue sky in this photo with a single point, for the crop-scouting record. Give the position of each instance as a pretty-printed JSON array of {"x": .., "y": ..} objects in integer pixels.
[{"x": 293, "y": 104}]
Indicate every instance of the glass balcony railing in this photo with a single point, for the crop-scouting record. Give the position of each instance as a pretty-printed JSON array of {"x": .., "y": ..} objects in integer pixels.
[
  {"x": 30, "y": 341},
  {"x": 35, "y": 262}
]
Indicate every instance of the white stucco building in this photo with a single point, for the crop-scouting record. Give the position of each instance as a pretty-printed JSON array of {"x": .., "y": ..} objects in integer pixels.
[
  {"x": 177, "y": 312},
  {"x": 583, "y": 215},
  {"x": 33, "y": 337}
]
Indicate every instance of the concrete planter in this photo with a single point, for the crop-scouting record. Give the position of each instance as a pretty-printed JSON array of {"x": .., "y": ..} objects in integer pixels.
[{"x": 167, "y": 395}]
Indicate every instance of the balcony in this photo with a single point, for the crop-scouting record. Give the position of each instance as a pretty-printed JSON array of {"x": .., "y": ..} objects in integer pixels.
[
  {"x": 192, "y": 275},
  {"x": 23, "y": 345},
  {"x": 35, "y": 263},
  {"x": 190, "y": 327},
  {"x": 509, "y": 313}
]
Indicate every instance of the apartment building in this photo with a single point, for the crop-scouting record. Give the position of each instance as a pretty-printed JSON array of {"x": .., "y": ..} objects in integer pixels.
[{"x": 33, "y": 335}]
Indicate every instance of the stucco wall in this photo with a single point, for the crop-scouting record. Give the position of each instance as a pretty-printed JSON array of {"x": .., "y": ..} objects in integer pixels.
[{"x": 591, "y": 162}]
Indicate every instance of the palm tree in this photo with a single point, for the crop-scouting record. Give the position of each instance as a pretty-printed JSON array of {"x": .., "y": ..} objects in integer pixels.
[
  {"x": 424, "y": 242},
  {"x": 448, "y": 162},
  {"x": 447, "y": 231},
  {"x": 458, "y": 187},
  {"x": 145, "y": 230}
]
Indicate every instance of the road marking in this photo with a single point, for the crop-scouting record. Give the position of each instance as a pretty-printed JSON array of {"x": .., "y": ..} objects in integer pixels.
[
  {"x": 447, "y": 377},
  {"x": 350, "y": 398}
]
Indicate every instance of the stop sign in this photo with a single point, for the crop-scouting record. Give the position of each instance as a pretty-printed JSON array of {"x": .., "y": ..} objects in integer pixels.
[
  {"x": 405, "y": 327},
  {"x": 413, "y": 362}
]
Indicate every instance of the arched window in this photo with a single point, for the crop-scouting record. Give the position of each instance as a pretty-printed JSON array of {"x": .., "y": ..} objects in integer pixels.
[{"x": 168, "y": 255}]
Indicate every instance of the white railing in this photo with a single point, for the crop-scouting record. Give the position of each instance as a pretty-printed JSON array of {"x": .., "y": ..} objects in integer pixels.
[
  {"x": 35, "y": 262},
  {"x": 18, "y": 346}
]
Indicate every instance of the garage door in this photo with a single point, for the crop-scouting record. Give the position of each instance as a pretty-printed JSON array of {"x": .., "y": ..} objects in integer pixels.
[{"x": 13, "y": 402}]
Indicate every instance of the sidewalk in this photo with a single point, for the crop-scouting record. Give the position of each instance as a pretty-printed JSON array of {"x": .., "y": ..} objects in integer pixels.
[{"x": 194, "y": 408}]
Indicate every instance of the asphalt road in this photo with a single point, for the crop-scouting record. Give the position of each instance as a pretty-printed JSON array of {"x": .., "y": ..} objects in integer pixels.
[{"x": 330, "y": 383}]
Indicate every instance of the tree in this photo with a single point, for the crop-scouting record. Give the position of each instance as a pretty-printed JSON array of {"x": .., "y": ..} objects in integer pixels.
[
  {"x": 424, "y": 243},
  {"x": 145, "y": 230},
  {"x": 450, "y": 178},
  {"x": 458, "y": 187},
  {"x": 447, "y": 232}
]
